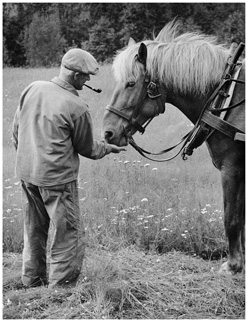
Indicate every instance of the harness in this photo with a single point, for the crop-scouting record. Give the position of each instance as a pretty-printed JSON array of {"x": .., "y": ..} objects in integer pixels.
[
  {"x": 213, "y": 114},
  {"x": 211, "y": 118}
]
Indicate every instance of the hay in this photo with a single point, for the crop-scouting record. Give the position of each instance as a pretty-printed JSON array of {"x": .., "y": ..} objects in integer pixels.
[{"x": 130, "y": 284}]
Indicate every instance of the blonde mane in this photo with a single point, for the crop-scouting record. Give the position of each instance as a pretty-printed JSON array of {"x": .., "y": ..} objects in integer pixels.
[{"x": 188, "y": 63}]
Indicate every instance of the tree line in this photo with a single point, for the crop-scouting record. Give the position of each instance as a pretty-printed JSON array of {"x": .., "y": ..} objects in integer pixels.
[{"x": 38, "y": 34}]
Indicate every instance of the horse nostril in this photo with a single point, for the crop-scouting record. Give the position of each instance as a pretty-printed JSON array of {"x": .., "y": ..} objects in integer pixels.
[{"x": 108, "y": 135}]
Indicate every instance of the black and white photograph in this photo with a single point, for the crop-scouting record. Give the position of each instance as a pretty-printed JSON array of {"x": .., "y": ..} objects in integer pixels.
[{"x": 123, "y": 160}]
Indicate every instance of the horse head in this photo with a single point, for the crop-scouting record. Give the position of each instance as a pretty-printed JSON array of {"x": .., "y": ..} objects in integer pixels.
[{"x": 136, "y": 98}]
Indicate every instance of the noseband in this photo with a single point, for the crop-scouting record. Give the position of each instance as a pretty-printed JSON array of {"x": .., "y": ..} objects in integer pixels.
[{"x": 152, "y": 92}]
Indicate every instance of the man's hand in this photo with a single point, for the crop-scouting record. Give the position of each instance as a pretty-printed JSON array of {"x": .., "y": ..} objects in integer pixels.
[{"x": 114, "y": 148}]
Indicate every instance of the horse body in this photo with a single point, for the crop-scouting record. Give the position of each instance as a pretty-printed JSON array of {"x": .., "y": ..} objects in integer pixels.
[
  {"x": 228, "y": 156},
  {"x": 188, "y": 68}
]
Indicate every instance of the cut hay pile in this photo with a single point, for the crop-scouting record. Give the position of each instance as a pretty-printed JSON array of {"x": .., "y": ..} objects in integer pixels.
[{"x": 129, "y": 284}]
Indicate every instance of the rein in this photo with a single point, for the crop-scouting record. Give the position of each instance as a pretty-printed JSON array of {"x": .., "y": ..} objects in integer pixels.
[{"x": 207, "y": 122}]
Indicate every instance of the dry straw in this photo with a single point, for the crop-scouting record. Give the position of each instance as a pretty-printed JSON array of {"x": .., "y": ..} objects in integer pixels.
[{"x": 129, "y": 284}]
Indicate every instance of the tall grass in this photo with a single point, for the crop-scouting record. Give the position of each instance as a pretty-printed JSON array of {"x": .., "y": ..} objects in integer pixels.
[{"x": 124, "y": 198}]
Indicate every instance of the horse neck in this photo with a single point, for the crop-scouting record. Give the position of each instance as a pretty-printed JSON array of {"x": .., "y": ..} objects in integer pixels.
[{"x": 190, "y": 106}]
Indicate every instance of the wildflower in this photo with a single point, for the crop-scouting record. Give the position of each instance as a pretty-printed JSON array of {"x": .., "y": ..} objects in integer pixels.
[
  {"x": 154, "y": 169},
  {"x": 124, "y": 211},
  {"x": 204, "y": 211},
  {"x": 183, "y": 235},
  {"x": 144, "y": 200},
  {"x": 134, "y": 208},
  {"x": 9, "y": 302}
]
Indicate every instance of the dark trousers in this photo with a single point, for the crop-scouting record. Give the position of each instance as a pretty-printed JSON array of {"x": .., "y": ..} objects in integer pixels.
[{"x": 55, "y": 207}]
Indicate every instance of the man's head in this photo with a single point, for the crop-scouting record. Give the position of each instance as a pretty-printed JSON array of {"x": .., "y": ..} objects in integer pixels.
[{"x": 79, "y": 64}]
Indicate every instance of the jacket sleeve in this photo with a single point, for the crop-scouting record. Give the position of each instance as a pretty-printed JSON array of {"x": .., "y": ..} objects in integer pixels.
[
  {"x": 15, "y": 124},
  {"x": 83, "y": 141}
]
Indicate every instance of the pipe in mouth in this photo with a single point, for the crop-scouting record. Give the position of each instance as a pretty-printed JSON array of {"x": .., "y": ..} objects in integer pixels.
[{"x": 97, "y": 90}]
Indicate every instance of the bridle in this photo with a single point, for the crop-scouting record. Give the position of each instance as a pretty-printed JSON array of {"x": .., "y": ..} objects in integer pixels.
[
  {"x": 191, "y": 139},
  {"x": 152, "y": 92}
]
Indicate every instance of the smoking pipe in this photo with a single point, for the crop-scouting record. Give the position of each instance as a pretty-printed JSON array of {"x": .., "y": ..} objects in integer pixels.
[{"x": 97, "y": 90}]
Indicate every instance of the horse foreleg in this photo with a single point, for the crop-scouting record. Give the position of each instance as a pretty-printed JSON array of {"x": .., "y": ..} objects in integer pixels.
[{"x": 234, "y": 211}]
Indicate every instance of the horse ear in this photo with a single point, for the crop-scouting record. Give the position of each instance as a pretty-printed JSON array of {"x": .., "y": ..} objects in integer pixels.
[
  {"x": 131, "y": 42},
  {"x": 142, "y": 54}
]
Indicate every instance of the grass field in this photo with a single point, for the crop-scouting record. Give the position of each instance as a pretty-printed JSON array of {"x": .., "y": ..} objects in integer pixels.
[{"x": 155, "y": 230}]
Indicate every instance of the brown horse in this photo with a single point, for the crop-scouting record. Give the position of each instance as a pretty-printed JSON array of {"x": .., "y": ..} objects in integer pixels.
[{"x": 184, "y": 70}]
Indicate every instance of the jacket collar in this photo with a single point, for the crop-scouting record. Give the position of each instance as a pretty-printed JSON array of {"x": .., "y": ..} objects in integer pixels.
[{"x": 60, "y": 82}]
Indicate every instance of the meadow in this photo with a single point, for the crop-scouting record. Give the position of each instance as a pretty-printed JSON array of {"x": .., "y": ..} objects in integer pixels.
[{"x": 155, "y": 233}]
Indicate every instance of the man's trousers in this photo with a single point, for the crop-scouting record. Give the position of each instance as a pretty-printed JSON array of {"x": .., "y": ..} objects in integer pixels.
[{"x": 57, "y": 208}]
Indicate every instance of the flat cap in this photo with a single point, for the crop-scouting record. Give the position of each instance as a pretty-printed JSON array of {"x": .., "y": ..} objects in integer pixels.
[{"x": 81, "y": 61}]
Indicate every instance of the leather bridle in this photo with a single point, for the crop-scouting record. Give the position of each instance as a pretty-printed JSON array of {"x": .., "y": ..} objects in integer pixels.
[
  {"x": 212, "y": 122},
  {"x": 152, "y": 92}
]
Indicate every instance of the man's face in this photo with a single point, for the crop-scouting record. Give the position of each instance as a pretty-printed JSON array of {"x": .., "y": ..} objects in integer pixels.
[{"x": 79, "y": 80}]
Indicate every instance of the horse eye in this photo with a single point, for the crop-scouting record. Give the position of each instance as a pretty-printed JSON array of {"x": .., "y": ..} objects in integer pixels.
[{"x": 130, "y": 84}]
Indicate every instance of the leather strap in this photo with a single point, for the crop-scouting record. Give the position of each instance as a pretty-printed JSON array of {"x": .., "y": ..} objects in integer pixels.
[{"x": 220, "y": 125}]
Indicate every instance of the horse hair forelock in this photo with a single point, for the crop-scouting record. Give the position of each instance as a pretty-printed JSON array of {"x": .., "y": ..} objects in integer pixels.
[{"x": 187, "y": 63}]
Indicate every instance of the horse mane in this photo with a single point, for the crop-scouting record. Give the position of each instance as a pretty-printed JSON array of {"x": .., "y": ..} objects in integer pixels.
[{"x": 190, "y": 62}]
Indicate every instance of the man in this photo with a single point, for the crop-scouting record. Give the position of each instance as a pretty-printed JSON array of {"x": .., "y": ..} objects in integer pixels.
[{"x": 52, "y": 127}]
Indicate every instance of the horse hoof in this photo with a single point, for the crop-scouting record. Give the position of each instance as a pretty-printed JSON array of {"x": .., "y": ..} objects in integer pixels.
[{"x": 225, "y": 269}]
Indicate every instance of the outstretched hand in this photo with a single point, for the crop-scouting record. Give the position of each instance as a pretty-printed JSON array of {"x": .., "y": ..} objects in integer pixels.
[{"x": 115, "y": 148}]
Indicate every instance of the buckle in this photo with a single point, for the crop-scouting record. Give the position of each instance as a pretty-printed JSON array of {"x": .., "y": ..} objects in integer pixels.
[{"x": 151, "y": 86}]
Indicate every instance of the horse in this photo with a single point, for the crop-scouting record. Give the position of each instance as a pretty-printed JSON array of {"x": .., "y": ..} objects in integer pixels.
[{"x": 185, "y": 69}]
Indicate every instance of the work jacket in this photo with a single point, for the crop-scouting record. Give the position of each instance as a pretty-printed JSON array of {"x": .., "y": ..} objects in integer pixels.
[{"x": 51, "y": 127}]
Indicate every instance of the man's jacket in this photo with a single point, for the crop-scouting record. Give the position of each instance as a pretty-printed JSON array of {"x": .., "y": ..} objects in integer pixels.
[{"x": 51, "y": 127}]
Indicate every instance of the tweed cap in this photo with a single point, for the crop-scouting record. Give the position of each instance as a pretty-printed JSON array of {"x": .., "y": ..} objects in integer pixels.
[{"x": 81, "y": 61}]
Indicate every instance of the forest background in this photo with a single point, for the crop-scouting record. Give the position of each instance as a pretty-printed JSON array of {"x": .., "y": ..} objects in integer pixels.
[{"x": 38, "y": 34}]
